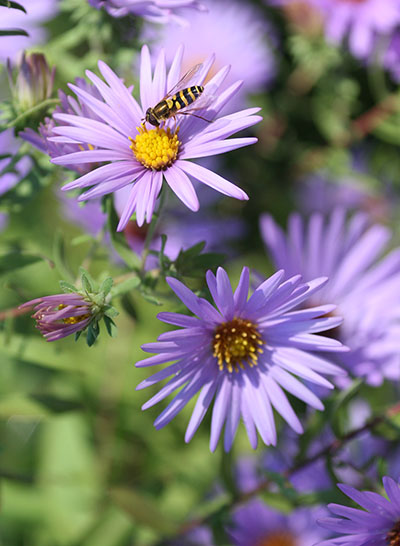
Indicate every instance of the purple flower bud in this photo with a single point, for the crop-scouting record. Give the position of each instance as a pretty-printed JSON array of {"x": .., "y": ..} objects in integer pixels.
[
  {"x": 33, "y": 82},
  {"x": 61, "y": 315}
]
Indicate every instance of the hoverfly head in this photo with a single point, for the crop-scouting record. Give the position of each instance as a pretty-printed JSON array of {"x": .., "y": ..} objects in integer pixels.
[{"x": 151, "y": 118}]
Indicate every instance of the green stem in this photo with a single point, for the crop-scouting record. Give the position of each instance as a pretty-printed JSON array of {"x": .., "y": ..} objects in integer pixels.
[
  {"x": 34, "y": 109},
  {"x": 151, "y": 230}
]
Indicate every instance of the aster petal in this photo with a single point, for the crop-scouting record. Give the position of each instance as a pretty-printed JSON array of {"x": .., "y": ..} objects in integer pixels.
[
  {"x": 181, "y": 185},
  {"x": 184, "y": 294},
  {"x": 292, "y": 385},
  {"x": 90, "y": 156},
  {"x": 146, "y": 96},
  {"x": 242, "y": 290},
  {"x": 131, "y": 108},
  {"x": 281, "y": 403},
  {"x": 180, "y": 400},
  {"x": 233, "y": 417},
  {"x": 202, "y": 404},
  {"x": 101, "y": 109},
  {"x": 159, "y": 80},
  {"x": 111, "y": 186},
  {"x": 212, "y": 179},
  {"x": 221, "y": 405},
  {"x": 105, "y": 172},
  {"x": 175, "y": 70}
]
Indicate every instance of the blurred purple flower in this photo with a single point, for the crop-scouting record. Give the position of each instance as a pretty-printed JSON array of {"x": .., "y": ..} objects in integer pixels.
[
  {"x": 360, "y": 21},
  {"x": 243, "y": 353},
  {"x": 391, "y": 58},
  {"x": 318, "y": 193},
  {"x": 255, "y": 524},
  {"x": 9, "y": 145},
  {"x": 88, "y": 216},
  {"x": 364, "y": 287},
  {"x": 37, "y": 12},
  {"x": 242, "y": 41},
  {"x": 147, "y": 156},
  {"x": 156, "y": 11},
  {"x": 60, "y": 315},
  {"x": 378, "y": 524}
]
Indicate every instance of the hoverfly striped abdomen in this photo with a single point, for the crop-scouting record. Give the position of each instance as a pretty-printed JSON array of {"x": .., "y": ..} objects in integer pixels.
[
  {"x": 184, "y": 98},
  {"x": 170, "y": 106}
]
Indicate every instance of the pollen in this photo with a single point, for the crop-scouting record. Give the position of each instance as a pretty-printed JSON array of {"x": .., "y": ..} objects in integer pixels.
[
  {"x": 237, "y": 343},
  {"x": 156, "y": 148},
  {"x": 72, "y": 320},
  {"x": 393, "y": 536}
]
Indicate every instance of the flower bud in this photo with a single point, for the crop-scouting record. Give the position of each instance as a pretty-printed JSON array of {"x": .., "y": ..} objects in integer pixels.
[{"x": 33, "y": 82}]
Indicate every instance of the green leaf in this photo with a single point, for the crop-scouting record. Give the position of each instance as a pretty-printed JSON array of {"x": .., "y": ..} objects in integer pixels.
[
  {"x": 13, "y": 32},
  {"x": 19, "y": 405},
  {"x": 15, "y": 260},
  {"x": 87, "y": 285},
  {"x": 93, "y": 332},
  {"x": 12, "y": 5},
  {"x": 111, "y": 326},
  {"x": 125, "y": 286},
  {"x": 67, "y": 287},
  {"x": 34, "y": 350},
  {"x": 106, "y": 286}
]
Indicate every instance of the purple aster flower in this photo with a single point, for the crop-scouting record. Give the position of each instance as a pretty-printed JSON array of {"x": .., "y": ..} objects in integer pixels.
[
  {"x": 362, "y": 285},
  {"x": 255, "y": 524},
  {"x": 378, "y": 524},
  {"x": 147, "y": 156},
  {"x": 37, "y": 12},
  {"x": 44, "y": 141},
  {"x": 241, "y": 41},
  {"x": 358, "y": 20},
  {"x": 157, "y": 11},
  {"x": 391, "y": 58},
  {"x": 61, "y": 315},
  {"x": 11, "y": 175},
  {"x": 244, "y": 353}
]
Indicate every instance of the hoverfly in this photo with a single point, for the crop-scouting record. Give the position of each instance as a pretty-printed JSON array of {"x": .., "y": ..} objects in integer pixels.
[{"x": 177, "y": 99}]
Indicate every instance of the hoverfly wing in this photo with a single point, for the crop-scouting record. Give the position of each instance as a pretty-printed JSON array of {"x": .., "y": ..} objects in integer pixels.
[{"x": 186, "y": 80}]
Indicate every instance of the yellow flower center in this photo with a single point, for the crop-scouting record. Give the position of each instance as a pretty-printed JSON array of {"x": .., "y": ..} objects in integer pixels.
[
  {"x": 236, "y": 343},
  {"x": 393, "y": 536},
  {"x": 72, "y": 320},
  {"x": 277, "y": 539},
  {"x": 156, "y": 148}
]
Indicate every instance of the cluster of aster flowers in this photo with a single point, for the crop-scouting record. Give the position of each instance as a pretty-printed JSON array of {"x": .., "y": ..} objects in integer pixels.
[{"x": 249, "y": 354}]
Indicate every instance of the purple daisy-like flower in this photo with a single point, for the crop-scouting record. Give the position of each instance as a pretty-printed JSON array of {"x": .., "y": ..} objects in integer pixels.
[
  {"x": 255, "y": 524},
  {"x": 391, "y": 58},
  {"x": 157, "y": 11},
  {"x": 61, "y": 315},
  {"x": 363, "y": 286},
  {"x": 148, "y": 156},
  {"x": 378, "y": 524},
  {"x": 244, "y": 353},
  {"x": 358, "y": 20}
]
